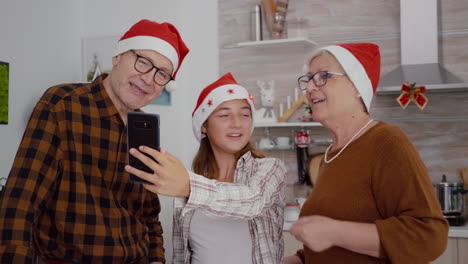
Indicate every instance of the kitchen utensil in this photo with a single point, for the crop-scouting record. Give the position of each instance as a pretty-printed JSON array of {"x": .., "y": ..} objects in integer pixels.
[
  {"x": 269, "y": 8},
  {"x": 451, "y": 198},
  {"x": 282, "y": 141},
  {"x": 266, "y": 143},
  {"x": 286, "y": 147},
  {"x": 256, "y": 23},
  {"x": 277, "y": 29}
]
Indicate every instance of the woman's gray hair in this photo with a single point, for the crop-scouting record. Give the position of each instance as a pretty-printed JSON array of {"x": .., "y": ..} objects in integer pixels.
[{"x": 318, "y": 53}]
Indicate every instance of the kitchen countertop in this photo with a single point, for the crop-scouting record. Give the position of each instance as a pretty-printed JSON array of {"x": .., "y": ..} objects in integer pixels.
[
  {"x": 454, "y": 231},
  {"x": 458, "y": 231}
]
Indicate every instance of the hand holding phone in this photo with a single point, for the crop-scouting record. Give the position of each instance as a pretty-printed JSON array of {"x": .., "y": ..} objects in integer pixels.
[{"x": 142, "y": 130}]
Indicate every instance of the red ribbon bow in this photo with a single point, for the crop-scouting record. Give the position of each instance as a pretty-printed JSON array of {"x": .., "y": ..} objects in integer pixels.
[{"x": 411, "y": 92}]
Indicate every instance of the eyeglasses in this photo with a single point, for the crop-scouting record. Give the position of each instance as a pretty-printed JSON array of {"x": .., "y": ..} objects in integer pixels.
[
  {"x": 144, "y": 65},
  {"x": 319, "y": 78}
]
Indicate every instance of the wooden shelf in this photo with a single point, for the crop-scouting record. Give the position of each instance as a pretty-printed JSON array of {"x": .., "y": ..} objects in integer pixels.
[
  {"x": 291, "y": 43},
  {"x": 288, "y": 124}
]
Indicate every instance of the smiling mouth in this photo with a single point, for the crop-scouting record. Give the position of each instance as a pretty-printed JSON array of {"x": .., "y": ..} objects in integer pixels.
[
  {"x": 315, "y": 101},
  {"x": 235, "y": 135},
  {"x": 138, "y": 90}
]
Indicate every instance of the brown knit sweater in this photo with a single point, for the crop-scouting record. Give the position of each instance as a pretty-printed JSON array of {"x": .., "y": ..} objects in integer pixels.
[{"x": 380, "y": 178}]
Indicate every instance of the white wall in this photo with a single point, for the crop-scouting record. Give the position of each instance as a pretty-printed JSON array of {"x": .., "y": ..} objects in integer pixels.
[{"x": 42, "y": 42}]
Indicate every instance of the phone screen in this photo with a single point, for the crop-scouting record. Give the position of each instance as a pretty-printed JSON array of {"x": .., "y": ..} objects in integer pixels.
[{"x": 142, "y": 130}]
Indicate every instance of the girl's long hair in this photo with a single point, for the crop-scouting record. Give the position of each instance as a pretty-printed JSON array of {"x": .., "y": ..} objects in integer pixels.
[{"x": 205, "y": 164}]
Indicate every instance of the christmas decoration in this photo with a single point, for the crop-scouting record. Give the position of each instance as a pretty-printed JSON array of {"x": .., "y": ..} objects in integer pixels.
[
  {"x": 411, "y": 92},
  {"x": 265, "y": 113}
]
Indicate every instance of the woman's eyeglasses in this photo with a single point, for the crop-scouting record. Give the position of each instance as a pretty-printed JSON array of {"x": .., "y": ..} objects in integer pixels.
[{"x": 319, "y": 78}]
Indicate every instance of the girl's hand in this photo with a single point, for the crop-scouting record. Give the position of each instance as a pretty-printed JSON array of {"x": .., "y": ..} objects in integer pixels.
[{"x": 169, "y": 175}]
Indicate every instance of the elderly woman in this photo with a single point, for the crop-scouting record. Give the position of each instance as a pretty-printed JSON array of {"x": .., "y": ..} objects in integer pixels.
[{"x": 373, "y": 201}]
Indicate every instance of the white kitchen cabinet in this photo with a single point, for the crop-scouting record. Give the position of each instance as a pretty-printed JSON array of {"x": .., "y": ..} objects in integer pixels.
[
  {"x": 462, "y": 250},
  {"x": 456, "y": 252},
  {"x": 450, "y": 256}
]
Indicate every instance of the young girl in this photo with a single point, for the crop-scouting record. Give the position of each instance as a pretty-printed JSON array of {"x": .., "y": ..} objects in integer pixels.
[{"x": 234, "y": 212}]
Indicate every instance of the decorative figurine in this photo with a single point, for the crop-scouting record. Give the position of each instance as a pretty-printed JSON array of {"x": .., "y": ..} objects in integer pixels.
[{"x": 265, "y": 114}]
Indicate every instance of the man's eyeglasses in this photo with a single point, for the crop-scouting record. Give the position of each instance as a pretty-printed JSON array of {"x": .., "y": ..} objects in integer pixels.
[
  {"x": 319, "y": 78},
  {"x": 144, "y": 65}
]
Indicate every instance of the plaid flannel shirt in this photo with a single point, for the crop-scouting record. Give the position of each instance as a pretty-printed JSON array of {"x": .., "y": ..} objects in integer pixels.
[
  {"x": 67, "y": 196},
  {"x": 257, "y": 195}
]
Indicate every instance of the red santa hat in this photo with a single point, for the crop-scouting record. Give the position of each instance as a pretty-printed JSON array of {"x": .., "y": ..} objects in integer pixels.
[
  {"x": 160, "y": 37},
  {"x": 361, "y": 62},
  {"x": 224, "y": 89}
]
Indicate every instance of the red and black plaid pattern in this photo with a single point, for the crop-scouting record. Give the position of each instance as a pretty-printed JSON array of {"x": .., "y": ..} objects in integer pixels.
[{"x": 67, "y": 196}]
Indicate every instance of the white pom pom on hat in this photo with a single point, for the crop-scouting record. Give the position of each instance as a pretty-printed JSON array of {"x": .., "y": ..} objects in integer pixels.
[{"x": 171, "y": 86}]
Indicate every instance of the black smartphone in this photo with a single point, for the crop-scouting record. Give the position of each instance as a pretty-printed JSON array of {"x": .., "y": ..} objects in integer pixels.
[{"x": 142, "y": 130}]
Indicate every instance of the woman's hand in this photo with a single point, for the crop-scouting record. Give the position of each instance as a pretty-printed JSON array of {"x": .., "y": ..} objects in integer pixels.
[
  {"x": 319, "y": 233},
  {"x": 170, "y": 177},
  {"x": 316, "y": 232}
]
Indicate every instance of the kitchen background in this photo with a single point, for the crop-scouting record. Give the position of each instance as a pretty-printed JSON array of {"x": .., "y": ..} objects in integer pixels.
[
  {"x": 42, "y": 41},
  {"x": 440, "y": 131}
]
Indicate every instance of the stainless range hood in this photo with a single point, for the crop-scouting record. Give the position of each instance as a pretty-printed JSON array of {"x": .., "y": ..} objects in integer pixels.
[{"x": 419, "y": 51}]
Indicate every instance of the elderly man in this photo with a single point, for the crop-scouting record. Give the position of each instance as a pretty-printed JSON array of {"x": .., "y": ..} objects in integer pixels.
[{"x": 68, "y": 198}]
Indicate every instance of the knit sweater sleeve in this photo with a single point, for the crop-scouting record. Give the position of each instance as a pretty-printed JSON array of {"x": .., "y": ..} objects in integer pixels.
[{"x": 413, "y": 229}]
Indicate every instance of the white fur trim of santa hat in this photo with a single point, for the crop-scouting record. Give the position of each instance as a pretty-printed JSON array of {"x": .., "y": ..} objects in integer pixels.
[{"x": 151, "y": 43}]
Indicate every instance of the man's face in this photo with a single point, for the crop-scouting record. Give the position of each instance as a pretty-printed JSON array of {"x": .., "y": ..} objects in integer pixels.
[{"x": 131, "y": 89}]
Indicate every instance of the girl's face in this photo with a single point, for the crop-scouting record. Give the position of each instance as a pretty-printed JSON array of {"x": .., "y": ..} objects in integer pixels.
[{"x": 229, "y": 126}]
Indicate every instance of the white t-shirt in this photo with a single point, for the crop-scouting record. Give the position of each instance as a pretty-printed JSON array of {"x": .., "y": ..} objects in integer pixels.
[{"x": 215, "y": 239}]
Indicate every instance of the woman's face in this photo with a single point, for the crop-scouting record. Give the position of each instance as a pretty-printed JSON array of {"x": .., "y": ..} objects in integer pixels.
[
  {"x": 337, "y": 98},
  {"x": 229, "y": 126}
]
